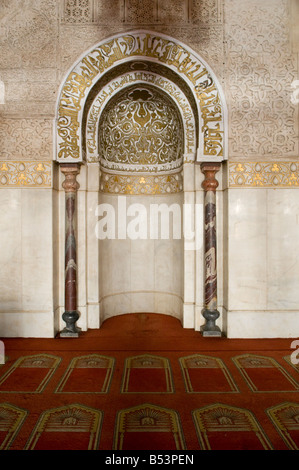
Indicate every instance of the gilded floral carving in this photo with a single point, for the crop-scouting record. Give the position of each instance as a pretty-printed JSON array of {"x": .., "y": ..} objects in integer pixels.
[{"x": 25, "y": 174}]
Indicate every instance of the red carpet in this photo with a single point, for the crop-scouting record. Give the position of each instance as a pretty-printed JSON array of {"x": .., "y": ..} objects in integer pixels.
[{"x": 142, "y": 382}]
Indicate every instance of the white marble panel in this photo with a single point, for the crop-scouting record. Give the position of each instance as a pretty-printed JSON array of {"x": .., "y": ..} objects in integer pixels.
[
  {"x": 93, "y": 315},
  {"x": 142, "y": 265},
  {"x": 167, "y": 304},
  {"x": 247, "y": 249},
  {"x": 27, "y": 325},
  {"x": 81, "y": 249},
  {"x": 262, "y": 324},
  {"x": 11, "y": 250},
  {"x": 163, "y": 266},
  {"x": 178, "y": 267},
  {"x": 188, "y": 315},
  {"x": 189, "y": 177},
  {"x": 92, "y": 251},
  {"x": 283, "y": 249},
  {"x": 115, "y": 305},
  {"x": 120, "y": 265},
  {"x": 37, "y": 246}
]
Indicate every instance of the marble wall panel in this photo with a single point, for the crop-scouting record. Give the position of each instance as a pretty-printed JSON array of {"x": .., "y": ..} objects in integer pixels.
[
  {"x": 27, "y": 263},
  {"x": 282, "y": 249},
  {"x": 11, "y": 250},
  {"x": 147, "y": 272},
  {"x": 37, "y": 256},
  {"x": 247, "y": 247}
]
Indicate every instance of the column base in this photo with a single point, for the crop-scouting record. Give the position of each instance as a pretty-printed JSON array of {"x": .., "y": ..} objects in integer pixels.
[
  {"x": 71, "y": 330},
  {"x": 215, "y": 333},
  {"x": 210, "y": 328}
]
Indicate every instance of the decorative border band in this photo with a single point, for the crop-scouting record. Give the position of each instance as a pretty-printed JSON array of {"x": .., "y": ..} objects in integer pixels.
[
  {"x": 264, "y": 174},
  {"x": 29, "y": 174},
  {"x": 138, "y": 184}
]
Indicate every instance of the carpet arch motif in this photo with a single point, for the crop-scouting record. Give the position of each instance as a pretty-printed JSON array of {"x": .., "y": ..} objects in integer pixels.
[
  {"x": 69, "y": 427},
  {"x": 148, "y": 427},
  {"x": 205, "y": 374},
  {"x": 219, "y": 425},
  {"x": 91, "y": 373},
  {"x": 264, "y": 374},
  {"x": 285, "y": 418},
  {"x": 29, "y": 374},
  {"x": 147, "y": 373},
  {"x": 11, "y": 420}
]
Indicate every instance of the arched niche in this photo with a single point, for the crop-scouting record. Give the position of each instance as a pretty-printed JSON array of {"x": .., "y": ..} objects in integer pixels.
[
  {"x": 170, "y": 59},
  {"x": 144, "y": 59}
]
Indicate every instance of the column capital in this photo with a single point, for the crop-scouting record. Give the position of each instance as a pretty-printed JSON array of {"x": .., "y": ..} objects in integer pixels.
[
  {"x": 70, "y": 171},
  {"x": 210, "y": 169}
]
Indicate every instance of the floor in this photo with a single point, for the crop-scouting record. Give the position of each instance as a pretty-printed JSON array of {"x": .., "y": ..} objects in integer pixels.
[{"x": 142, "y": 382}]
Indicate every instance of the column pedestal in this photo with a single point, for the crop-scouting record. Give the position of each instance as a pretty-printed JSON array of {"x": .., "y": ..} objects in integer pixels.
[
  {"x": 210, "y": 312},
  {"x": 70, "y": 315}
]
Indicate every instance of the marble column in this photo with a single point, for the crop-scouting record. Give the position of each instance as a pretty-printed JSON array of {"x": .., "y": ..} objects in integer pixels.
[
  {"x": 210, "y": 312},
  {"x": 70, "y": 186}
]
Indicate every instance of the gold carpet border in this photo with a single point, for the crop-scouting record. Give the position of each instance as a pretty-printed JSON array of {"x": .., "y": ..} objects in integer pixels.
[
  {"x": 224, "y": 418},
  {"x": 26, "y": 174},
  {"x": 147, "y": 361},
  {"x": 198, "y": 361}
]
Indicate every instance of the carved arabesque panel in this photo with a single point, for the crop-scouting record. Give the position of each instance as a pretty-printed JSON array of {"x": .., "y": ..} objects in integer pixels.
[
  {"x": 140, "y": 126},
  {"x": 29, "y": 139},
  {"x": 260, "y": 70},
  {"x": 78, "y": 11},
  {"x": 28, "y": 33}
]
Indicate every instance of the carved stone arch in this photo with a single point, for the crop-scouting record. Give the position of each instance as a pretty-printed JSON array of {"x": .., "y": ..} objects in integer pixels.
[{"x": 159, "y": 50}]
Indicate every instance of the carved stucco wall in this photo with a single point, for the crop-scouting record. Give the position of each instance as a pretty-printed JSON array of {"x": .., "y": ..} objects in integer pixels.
[{"x": 251, "y": 46}]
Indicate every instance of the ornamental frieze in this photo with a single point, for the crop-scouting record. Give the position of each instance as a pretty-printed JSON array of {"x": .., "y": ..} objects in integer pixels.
[
  {"x": 141, "y": 184},
  {"x": 264, "y": 174},
  {"x": 28, "y": 174}
]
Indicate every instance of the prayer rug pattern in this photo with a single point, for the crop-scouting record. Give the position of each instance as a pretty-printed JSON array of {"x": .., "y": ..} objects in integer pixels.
[
  {"x": 29, "y": 374},
  {"x": 219, "y": 425},
  {"x": 93, "y": 392},
  {"x": 147, "y": 427},
  {"x": 147, "y": 374},
  {"x": 69, "y": 427},
  {"x": 285, "y": 418},
  {"x": 264, "y": 374},
  {"x": 87, "y": 374},
  {"x": 205, "y": 374},
  {"x": 11, "y": 420}
]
